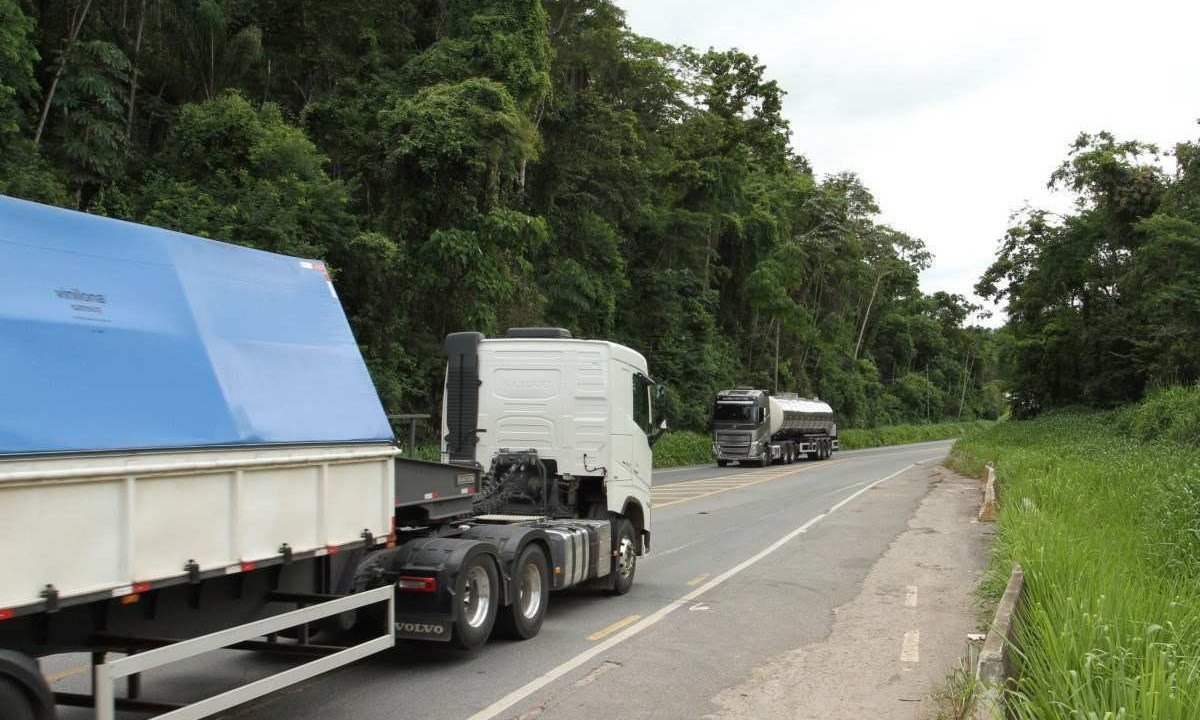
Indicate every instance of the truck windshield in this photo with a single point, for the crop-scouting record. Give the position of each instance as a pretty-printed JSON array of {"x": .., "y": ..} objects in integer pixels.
[{"x": 733, "y": 412}]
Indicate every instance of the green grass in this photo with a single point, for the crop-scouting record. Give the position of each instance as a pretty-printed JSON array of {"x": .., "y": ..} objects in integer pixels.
[
  {"x": 855, "y": 439},
  {"x": 682, "y": 447},
  {"x": 1107, "y": 527}
]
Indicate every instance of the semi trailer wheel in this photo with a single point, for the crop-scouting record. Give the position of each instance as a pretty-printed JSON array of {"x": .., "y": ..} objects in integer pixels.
[
  {"x": 722, "y": 463},
  {"x": 14, "y": 702},
  {"x": 624, "y": 555},
  {"x": 476, "y": 595},
  {"x": 531, "y": 593}
]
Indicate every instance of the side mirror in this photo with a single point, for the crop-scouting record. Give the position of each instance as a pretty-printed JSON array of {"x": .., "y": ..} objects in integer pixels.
[{"x": 659, "y": 431}]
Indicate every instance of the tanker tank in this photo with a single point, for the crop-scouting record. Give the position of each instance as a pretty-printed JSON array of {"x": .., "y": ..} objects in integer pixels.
[{"x": 793, "y": 417}]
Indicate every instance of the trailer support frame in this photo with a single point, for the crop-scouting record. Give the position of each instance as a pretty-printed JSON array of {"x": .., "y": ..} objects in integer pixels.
[{"x": 104, "y": 674}]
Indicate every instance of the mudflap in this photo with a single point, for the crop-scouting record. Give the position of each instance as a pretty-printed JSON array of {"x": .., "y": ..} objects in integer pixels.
[
  {"x": 425, "y": 612},
  {"x": 434, "y": 628}
]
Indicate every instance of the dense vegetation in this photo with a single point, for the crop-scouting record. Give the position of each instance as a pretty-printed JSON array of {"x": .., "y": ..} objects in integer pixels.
[
  {"x": 480, "y": 164},
  {"x": 1104, "y": 302},
  {"x": 1102, "y": 511}
]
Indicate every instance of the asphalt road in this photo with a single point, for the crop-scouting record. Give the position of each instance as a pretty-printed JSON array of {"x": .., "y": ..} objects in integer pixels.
[{"x": 746, "y": 563}]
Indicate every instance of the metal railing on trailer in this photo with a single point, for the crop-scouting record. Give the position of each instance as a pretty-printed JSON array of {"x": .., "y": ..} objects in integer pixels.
[{"x": 105, "y": 674}]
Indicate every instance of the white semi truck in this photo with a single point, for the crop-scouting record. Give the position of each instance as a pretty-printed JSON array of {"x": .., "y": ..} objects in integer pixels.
[
  {"x": 753, "y": 426},
  {"x": 193, "y": 457}
]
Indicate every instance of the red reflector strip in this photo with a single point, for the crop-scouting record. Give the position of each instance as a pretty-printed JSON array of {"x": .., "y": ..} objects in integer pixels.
[
  {"x": 415, "y": 583},
  {"x": 248, "y": 566},
  {"x": 332, "y": 549},
  {"x": 141, "y": 587},
  {"x": 5, "y": 614}
]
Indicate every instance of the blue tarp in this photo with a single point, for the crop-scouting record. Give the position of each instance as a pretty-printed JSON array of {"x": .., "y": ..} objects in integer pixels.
[{"x": 119, "y": 336}]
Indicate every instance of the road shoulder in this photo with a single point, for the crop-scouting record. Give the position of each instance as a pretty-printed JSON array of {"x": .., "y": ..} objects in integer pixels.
[{"x": 893, "y": 644}]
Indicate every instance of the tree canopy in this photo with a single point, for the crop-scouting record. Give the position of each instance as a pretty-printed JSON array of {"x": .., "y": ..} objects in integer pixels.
[
  {"x": 473, "y": 164},
  {"x": 1104, "y": 301}
]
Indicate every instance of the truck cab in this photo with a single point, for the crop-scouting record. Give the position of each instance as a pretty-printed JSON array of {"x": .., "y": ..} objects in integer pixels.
[
  {"x": 565, "y": 424},
  {"x": 741, "y": 430}
]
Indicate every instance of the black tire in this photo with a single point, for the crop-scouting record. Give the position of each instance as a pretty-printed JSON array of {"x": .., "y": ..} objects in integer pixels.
[
  {"x": 764, "y": 459},
  {"x": 826, "y": 449},
  {"x": 530, "y": 595},
  {"x": 14, "y": 701},
  {"x": 722, "y": 463},
  {"x": 624, "y": 543},
  {"x": 476, "y": 602}
]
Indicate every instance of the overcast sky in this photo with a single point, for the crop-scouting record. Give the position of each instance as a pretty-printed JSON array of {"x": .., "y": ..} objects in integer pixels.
[{"x": 954, "y": 112}]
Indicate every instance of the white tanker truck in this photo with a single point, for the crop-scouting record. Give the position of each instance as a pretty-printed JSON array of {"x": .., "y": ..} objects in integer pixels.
[{"x": 752, "y": 426}]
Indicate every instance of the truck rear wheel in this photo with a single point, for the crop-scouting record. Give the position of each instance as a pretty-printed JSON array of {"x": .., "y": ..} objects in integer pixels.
[
  {"x": 624, "y": 556},
  {"x": 764, "y": 459},
  {"x": 476, "y": 591},
  {"x": 722, "y": 463},
  {"x": 531, "y": 593},
  {"x": 14, "y": 702}
]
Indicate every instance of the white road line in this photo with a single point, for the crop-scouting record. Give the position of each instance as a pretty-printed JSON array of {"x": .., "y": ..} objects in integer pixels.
[
  {"x": 910, "y": 598},
  {"x": 839, "y": 490},
  {"x": 910, "y": 651},
  {"x": 584, "y": 657}
]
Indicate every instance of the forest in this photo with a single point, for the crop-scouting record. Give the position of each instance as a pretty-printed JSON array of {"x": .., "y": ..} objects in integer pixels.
[
  {"x": 480, "y": 164},
  {"x": 1103, "y": 301}
]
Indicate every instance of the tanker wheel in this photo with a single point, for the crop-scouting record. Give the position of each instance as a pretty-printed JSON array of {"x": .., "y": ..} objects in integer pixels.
[
  {"x": 722, "y": 463},
  {"x": 791, "y": 454},
  {"x": 826, "y": 450}
]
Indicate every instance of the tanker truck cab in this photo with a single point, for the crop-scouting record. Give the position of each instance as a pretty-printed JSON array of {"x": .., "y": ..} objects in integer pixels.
[
  {"x": 752, "y": 426},
  {"x": 561, "y": 427}
]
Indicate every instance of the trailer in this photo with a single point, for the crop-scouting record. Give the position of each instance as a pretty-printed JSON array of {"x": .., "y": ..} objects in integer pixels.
[
  {"x": 753, "y": 426},
  {"x": 193, "y": 457}
]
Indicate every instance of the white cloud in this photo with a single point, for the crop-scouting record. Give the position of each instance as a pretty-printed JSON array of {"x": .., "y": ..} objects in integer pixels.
[{"x": 955, "y": 113}]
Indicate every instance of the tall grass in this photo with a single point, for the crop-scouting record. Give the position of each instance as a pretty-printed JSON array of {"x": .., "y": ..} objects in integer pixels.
[
  {"x": 854, "y": 439},
  {"x": 1107, "y": 527}
]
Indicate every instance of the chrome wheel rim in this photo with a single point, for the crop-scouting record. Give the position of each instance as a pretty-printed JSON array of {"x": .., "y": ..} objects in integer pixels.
[
  {"x": 477, "y": 596},
  {"x": 626, "y": 558},
  {"x": 529, "y": 595}
]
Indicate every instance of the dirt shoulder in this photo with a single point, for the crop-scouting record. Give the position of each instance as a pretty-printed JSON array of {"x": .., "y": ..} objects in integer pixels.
[{"x": 897, "y": 640}]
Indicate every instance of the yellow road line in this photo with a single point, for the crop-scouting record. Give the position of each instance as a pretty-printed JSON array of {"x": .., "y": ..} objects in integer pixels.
[
  {"x": 767, "y": 478},
  {"x": 698, "y": 579},
  {"x": 64, "y": 674},
  {"x": 623, "y": 622}
]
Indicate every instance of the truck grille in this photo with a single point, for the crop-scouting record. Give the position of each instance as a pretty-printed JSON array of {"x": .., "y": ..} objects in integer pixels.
[{"x": 734, "y": 444}]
